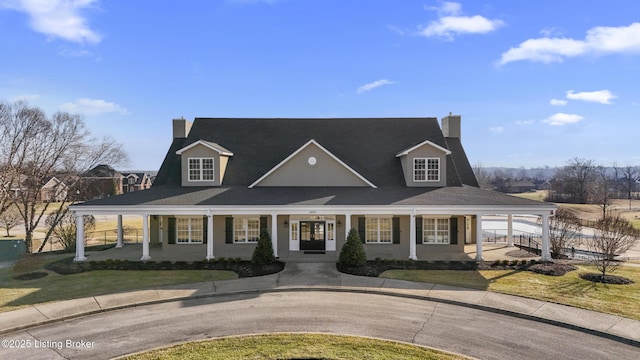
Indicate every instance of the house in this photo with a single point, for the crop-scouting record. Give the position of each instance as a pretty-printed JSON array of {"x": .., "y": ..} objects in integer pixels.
[
  {"x": 54, "y": 190},
  {"x": 99, "y": 182},
  {"x": 135, "y": 181},
  {"x": 405, "y": 184}
]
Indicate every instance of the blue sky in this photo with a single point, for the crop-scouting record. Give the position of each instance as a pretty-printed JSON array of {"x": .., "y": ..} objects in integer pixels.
[{"x": 536, "y": 82}]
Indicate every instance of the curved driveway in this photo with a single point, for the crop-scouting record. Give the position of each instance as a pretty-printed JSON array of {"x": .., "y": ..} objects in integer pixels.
[{"x": 464, "y": 330}]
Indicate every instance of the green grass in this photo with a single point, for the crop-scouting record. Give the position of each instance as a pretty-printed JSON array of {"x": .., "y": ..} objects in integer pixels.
[
  {"x": 296, "y": 346},
  {"x": 570, "y": 289},
  {"x": 15, "y": 294}
]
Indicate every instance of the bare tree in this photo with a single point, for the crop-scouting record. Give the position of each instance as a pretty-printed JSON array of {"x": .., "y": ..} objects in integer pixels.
[
  {"x": 630, "y": 175},
  {"x": 563, "y": 229},
  {"x": 63, "y": 230},
  {"x": 602, "y": 189},
  {"x": 482, "y": 175},
  {"x": 10, "y": 218},
  {"x": 614, "y": 235},
  {"x": 37, "y": 148},
  {"x": 574, "y": 180}
]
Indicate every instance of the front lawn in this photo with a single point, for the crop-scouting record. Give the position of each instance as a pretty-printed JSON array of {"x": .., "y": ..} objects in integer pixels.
[
  {"x": 296, "y": 346},
  {"x": 569, "y": 289},
  {"x": 16, "y": 293}
]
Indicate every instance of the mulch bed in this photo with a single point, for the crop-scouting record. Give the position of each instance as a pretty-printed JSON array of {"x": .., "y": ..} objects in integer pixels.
[
  {"x": 242, "y": 268},
  {"x": 552, "y": 269},
  {"x": 606, "y": 279}
]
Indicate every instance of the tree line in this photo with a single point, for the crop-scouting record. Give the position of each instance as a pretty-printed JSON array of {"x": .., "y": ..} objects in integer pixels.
[{"x": 36, "y": 148}]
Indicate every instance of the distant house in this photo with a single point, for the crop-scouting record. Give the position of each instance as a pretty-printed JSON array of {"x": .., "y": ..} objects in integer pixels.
[
  {"x": 104, "y": 181},
  {"x": 54, "y": 190},
  {"x": 135, "y": 181},
  {"x": 405, "y": 184}
]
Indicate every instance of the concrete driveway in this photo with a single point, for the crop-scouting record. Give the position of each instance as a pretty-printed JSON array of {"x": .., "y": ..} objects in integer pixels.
[{"x": 464, "y": 330}]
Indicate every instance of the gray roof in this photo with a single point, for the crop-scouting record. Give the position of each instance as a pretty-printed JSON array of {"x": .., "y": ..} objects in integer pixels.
[
  {"x": 368, "y": 146},
  {"x": 454, "y": 196}
]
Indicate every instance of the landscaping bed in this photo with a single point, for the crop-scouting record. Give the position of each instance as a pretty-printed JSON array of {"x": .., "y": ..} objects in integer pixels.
[
  {"x": 240, "y": 267},
  {"x": 376, "y": 267}
]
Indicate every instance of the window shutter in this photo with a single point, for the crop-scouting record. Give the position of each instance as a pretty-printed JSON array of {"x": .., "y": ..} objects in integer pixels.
[
  {"x": 228, "y": 230},
  {"x": 453, "y": 231},
  {"x": 204, "y": 230},
  {"x": 362, "y": 226},
  {"x": 263, "y": 224},
  {"x": 171, "y": 230},
  {"x": 418, "y": 229},
  {"x": 395, "y": 223}
]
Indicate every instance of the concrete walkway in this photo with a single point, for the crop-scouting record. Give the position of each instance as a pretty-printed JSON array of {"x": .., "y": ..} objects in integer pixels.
[{"x": 300, "y": 276}]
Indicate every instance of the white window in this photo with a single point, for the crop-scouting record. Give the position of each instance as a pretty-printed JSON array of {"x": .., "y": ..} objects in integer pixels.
[
  {"x": 426, "y": 169},
  {"x": 189, "y": 230},
  {"x": 293, "y": 230},
  {"x": 201, "y": 169},
  {"x": 331, "y": 231},
  {"x": 246, "y": 230},
  {"x": 378, "y": 230},
  {"x": 435, "y": 231}
]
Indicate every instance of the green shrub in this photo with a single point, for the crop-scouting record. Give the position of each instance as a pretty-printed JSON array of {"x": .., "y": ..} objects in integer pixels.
[
  {"x": 263, "y": 253},
  {"x": 352, "y": 253}
]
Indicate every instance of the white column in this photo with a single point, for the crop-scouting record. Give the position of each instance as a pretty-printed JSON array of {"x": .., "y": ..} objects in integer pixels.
[
  {"x": 145, "y": 238},
  {"x": 347, "y": 225},
  {"x": 274, "y": 234},
  {"x": 479, "y": 237},
  {"x": 412, "y": 237},
  {"x": 80, "y": 239},
  {"x": 209, "y": 237},
  {"x": 119, "y": 241},
  {"x": 546, "y": 256},
  {"x": 510, "y": 230}
]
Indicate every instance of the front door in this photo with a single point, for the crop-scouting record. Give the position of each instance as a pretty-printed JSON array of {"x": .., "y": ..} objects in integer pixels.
[{"x": 312, "y": 235}]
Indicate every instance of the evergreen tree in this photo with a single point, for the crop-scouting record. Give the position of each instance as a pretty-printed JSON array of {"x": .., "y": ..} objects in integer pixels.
[
  {"x": 352, "y": 253},
  {"x": 263, "y": 253}
]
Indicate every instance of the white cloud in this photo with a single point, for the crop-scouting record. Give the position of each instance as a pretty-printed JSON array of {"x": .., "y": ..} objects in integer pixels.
[
  {"x": 56, "y": 18},
  {"x": 373, "y": 85},
  {"x": 92, "y": 107},
  {"x": 496, "y": 129},
  {"x": 598, "y": 40},
  {"x": 601, "y": 96},
  {"x": 560, "y": 119},
  {"x": 558, "y": 102},
  {"x": 525, "y": 122},
  {"x": 450, "y": 23}
]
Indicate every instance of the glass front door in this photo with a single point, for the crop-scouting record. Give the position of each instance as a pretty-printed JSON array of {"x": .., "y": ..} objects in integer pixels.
[{"x": 312, "y": 235}]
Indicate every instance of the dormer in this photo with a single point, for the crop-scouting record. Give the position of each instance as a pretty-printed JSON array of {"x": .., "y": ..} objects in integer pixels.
[
  {"x": 424, "y": 165},
  {"x": 203, "y": 163}
]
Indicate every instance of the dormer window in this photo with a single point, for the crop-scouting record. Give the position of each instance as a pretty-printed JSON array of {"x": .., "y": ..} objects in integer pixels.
[
  {"x": 201, "y": 169},
  {"x": 426, "y": 169}
]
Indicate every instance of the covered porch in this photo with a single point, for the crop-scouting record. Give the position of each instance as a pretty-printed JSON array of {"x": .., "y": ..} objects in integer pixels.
[{"x": 205, "y": 233}]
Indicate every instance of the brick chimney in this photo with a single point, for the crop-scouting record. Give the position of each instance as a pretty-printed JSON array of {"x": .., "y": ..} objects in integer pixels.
[
  {"x": 451, "y": 126},
  {"x": 181, "y": 128}
]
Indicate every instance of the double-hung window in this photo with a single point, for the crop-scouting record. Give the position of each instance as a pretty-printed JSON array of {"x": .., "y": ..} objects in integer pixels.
[
  {"x": 435, "y": 231},
  {"x": 201, "y": 169},
  {"x": 426, "y": 169},
  {"x": 246, "y": 230},
  {"x": 378, "y": 230},
  {"x": 189, "y": 230}
]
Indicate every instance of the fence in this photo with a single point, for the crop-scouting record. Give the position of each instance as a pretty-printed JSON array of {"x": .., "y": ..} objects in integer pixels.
[{"x": 99, "y": 237}]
